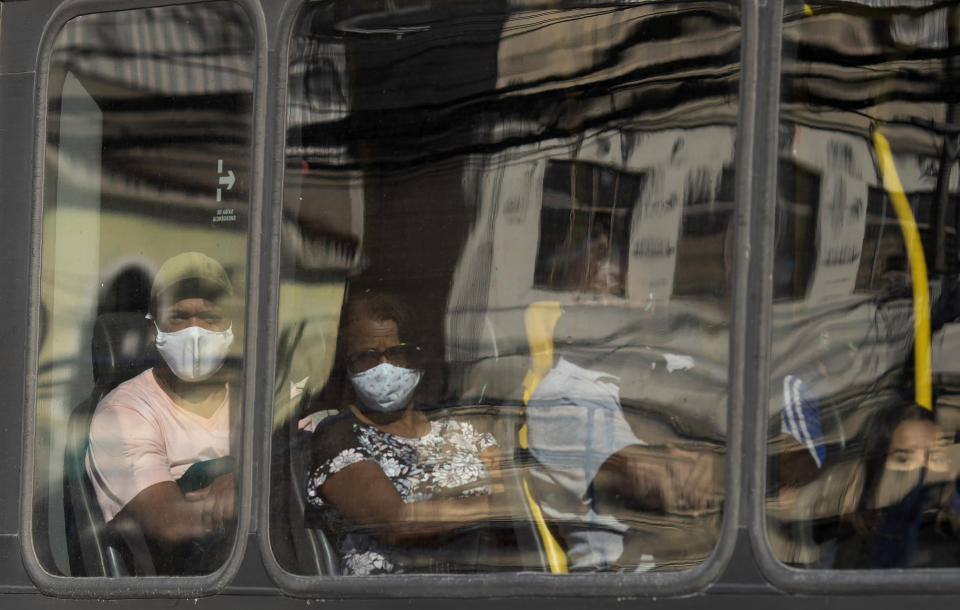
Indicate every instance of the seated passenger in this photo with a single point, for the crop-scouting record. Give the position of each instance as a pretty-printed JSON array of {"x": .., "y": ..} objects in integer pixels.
[
  {"x": 387, "y": 483},
  {"x": 147, "y": 433},
  {"x": 908, "y": 513}
]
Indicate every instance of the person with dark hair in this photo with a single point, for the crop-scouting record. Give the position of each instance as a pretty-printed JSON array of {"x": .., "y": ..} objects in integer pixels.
[
  {"x": 385, "y": 481},
  {"x": 906, "y": 514},
  {"x": 147, "y": 434}
]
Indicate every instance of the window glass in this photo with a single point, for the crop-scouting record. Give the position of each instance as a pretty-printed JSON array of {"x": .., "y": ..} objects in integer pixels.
[
  {"x": 142, "y": 290},
  {"x": 504, "y": 292},
  {"x": 863, "y": 414}
]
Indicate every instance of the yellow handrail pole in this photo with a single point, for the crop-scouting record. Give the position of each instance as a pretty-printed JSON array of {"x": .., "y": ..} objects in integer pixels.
[
  {"x": 918, "y": 270},
  {"x": 540, "y": 318},
  {"x": 556, "y": 557}
]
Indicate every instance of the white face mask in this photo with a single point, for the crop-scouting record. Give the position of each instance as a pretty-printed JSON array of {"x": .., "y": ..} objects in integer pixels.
[
  {"x": 194, "y": 353},
  {"x": 385, "y": 387}
]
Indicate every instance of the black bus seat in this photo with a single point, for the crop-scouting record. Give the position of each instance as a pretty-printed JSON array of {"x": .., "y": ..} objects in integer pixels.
[
  {"x": 313, "y": 544},
  {"x": 120, "y": 350},
  {"x": 297, "y": 548}
]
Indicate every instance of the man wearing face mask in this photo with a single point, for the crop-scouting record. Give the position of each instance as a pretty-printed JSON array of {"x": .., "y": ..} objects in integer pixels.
[{"x": 147, "y": 434}]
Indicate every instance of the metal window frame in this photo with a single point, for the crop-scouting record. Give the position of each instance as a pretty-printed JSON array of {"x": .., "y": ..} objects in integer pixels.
[
  {"x": 744, "y": 341},
  {"x": 132, "y": 586}
]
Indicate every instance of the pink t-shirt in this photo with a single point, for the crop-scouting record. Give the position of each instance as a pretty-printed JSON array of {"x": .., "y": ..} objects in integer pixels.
[{"x": 139, "y": 437}]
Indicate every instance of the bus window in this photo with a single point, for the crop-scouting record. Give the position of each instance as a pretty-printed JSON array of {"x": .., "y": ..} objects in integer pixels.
[
  {"x": 146, "y": 191},
  {"x": 863, "y": 420},
  {"x": 504, "y": 289}
]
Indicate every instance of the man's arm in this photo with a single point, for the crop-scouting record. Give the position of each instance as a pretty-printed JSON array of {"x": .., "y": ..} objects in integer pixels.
[
  {"x": 128, "y": 464},
  {"x": 666, "y": 478},
  {"x": 170, "y": 518}
]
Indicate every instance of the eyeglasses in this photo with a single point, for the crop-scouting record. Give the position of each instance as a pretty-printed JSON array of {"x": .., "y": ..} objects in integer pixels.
[{"x": 403, "y": 355}]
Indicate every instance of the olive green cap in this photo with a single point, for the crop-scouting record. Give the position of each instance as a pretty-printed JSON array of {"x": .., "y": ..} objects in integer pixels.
[{"x": 194, "y": 274}]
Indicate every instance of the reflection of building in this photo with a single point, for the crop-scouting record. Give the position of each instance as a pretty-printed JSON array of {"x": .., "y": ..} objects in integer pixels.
[
  {"x": 164, "y": 83},
  {"x": 181, "y": 51},
  {"x": 514, "y": 156},
  {"x": 533, "y": 242},
  {"x": 841, "y": 270},
  {"x": 916, "y": 23}
]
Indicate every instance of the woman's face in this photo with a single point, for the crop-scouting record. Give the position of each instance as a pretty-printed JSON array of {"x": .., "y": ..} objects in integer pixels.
[
  {"x": 368, "y": 334},
  {"x": 915, "y": 445},
  {"x": 917, "y": 454},
  {"x": 371, "y": 342}
]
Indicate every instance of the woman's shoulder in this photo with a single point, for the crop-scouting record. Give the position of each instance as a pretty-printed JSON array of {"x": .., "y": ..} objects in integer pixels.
[
  {"x": 339, "y": 426},
  {"x": 337, "y": 443}
]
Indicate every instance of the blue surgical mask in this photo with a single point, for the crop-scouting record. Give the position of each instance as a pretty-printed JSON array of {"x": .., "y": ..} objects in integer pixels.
[{"x": 385, "y": 387}]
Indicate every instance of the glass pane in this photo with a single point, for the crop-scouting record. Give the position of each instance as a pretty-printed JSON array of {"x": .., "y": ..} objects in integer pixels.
[
  {"x": 146, "y": 196},
  {"x": 863, "y": 411},
  {"x": 504, "y": 293}
]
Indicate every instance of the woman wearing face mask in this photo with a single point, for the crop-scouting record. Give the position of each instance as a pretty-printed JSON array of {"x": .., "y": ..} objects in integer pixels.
[
  {"x": 907, "y": 512},
  {"x": 386, "y": 482},
  {"x": 151, "y": 437}
]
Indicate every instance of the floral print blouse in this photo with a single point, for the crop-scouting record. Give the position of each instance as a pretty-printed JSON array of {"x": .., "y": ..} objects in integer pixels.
[{"x": 445, "y": 462}]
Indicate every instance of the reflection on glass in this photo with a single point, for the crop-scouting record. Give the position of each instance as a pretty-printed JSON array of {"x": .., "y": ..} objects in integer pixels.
[
  {"x": 550, "y": 191},
  {"x": 863, "y": 459},
  {"x": 584, "y": 226},
  {"x": 143, "y": 259}
]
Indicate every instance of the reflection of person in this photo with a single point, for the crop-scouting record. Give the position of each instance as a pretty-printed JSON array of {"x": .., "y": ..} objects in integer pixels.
[
  {"x": 586, "y": 450},
  {"x": 584, "y": 447},
  {"x": 384, "y": 480},
  {"x": 801, "y": 448},
  {"x": 148, "y": 432},
  {"x": 594, "y": 265},
  {"x": 907, "y": 512}
]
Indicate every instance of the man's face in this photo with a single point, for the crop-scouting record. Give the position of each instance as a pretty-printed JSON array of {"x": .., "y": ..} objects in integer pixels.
[{"x": 192, "y": 312}]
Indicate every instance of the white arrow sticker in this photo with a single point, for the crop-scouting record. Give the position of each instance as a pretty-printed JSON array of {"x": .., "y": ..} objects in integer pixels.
[{"x": 227, "y": 180}]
